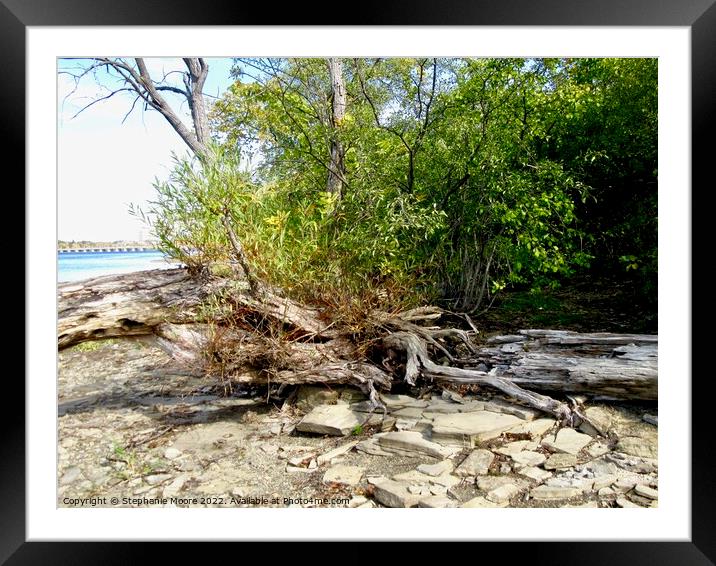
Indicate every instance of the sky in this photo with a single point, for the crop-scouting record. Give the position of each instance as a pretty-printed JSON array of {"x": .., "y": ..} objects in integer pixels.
[{"x": 105, "y": 165}]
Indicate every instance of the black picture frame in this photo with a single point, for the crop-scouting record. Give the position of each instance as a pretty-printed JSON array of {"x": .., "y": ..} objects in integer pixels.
[{"x": 699, "y": 15}]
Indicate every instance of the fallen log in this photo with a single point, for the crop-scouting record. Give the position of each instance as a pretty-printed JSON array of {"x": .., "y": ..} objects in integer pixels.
[
  {"x": 136, "y": 303},
  {"x": 268, "y": 338},
  {"x": 611, "y": 366}
]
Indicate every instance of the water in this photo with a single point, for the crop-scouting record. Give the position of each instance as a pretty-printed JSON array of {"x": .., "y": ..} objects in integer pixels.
[{"x": 75, "y": 266}]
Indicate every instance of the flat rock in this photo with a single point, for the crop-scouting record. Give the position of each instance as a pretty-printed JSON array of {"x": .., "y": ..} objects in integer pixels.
[
  {"x": 646, "y": 491},
  {"x": 472, "y": 406},
  {"x": 624, "y": 502},
  {"x": 408, "y": 413},
  {"x": 477, "y": 463},
  {"x": 436, "y": 469},
  {"x": 415, "y": 477},
  {"x": 392, "y": 401},
  {"x": 597, "y": 449},
  {"x": 481, "y": 502},
  {"x": 173, "y": 489},
  {"x": 500, "y": 406},
  {"x": 537, "y": 474},
  {"x": 371, "y": 446},
  {"x": 336, "y": 420},
  {"x": 602, "y": 419},
  {"x": 436, "y": 502},
  {"x": 490, "y": 483},
  {"x": 528, "y": 458},
  {"x": 560, "y": 461},
  {"x": 503, "y": 494},
  {"x": 328, "y": 456},
  {"x": 639, "y": 446},
  {"x": 156, "y": 479},
  {"x": 409, "y": 443},
  {"x": 604, "y": 481},
  {"x": 515, "y": 447},
  {"x": 601, "y": 467},
  {"x": 465, "y": 429},
  {"x": 172, "y": 453},
  {"x": 348, "y": 475},
  {"x": 70, "y": 475},
  {"x": 546, "y": 492},
  {"x": 535, "y": 428},
  {"x": 393, "y": 493},
  {"x": 567, "y": 441},
  {"x": 639, "y": 500},
  {"x": 357, "y": 501},
  {"x": 310, "y": 396}
]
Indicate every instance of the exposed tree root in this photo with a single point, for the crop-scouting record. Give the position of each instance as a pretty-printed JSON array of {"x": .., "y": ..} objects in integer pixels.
[{"x": 269, "y": 339}]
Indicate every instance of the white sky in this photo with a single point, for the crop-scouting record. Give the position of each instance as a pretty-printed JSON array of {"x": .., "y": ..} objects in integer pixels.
[{"x": 104, "y": 165}]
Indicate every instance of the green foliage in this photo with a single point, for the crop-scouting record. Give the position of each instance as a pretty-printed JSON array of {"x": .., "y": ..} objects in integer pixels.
[{"x": 463, "y": 177}]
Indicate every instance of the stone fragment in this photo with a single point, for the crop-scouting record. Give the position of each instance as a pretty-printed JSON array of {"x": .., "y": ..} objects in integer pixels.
[
  {"x": 173, "y": 489},
  {"x": 646, "y": 491},
  {"x": 371, "y": 446},
  {"x": 436, "y": 502},
  {"x": 172, "y": 453},
  {"x": 409, "y": 443},
  {"x": 515, "y": 447},
  {"x": 528, "y": 458},
  {"x": 537, "y": 474},
  {"x": 480, "y": 502},
  {"x": 336, "y": 420},
  {"x": 546, "y": 492},
  {"x": 597, "y": 449},
  {"x": 348, "y": 475},
  {"x": 567, "y": 441},
  {"x": 357, "y": 501},
  {"x": 156, "y": 479},
  {"x": 70, "y": 475},
  {"x": 339, "y": 451},
  {"x": 503, "y": 493},
  {"x": 490, "y": 483},
  {"x": 535, "y": 428},
  {"x": 466, "y": 429},
  {"x": 500, "y": 406},
  {"x": 624, "y": 502},
  {"x": 392, "y": 401},
  {"x": 601, "y": 418},
  {"x": 639, "y": 446},
  {"x": 477, "y": 463},
  {"x": 639, "y": 500},
  {"x": 560, "y": 461},
  {"x": 604, "y": 481},
  {"x": 311, "y": 396},
  {"x": 393, "y": 494},
  {"x": 436, "y": 469},
  {"x": 414, "y": 413}
]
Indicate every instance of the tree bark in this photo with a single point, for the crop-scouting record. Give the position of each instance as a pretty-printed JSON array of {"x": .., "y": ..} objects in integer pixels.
[
  {"x": 137, "y": 303},
  {"x": 336, "y": 171}
]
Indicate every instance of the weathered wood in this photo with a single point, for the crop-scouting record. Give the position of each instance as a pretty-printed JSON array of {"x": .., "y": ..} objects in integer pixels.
[
  {"x": 306, "y": 349},
  {"x": 136, "y": 303},
  {"x": 612, "y": 366}
]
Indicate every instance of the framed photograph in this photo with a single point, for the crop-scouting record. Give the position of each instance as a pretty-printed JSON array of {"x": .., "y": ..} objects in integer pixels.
[{"x": 140, "y": 75}]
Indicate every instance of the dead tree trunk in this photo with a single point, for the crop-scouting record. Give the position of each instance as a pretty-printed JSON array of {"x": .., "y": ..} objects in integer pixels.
[
  {"x": 272, "y": 339},
  {"x": 336, "y": 171}
]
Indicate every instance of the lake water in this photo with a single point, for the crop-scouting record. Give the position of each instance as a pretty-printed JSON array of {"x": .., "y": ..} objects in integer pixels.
[{"x": 75, "y": 266}]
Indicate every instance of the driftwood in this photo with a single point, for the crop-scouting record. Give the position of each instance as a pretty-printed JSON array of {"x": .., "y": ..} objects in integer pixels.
[
  {"x": 136, "y": 303},
  {"x": 244, "y": 346}
]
